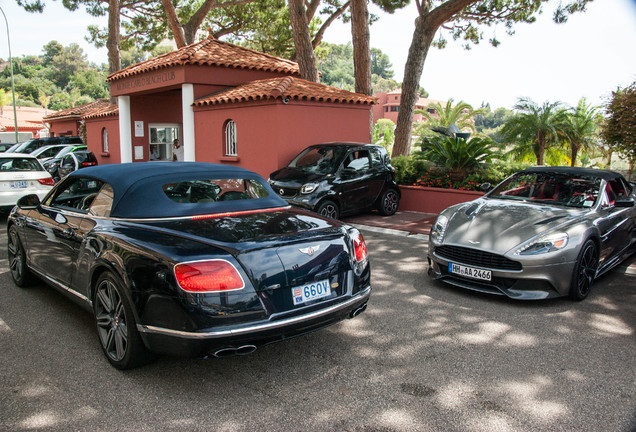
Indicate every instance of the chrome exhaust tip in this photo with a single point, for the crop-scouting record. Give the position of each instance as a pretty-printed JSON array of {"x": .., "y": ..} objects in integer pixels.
[
  {"x": 358, "y": 311},
  {"x": 234, "y": 351}
]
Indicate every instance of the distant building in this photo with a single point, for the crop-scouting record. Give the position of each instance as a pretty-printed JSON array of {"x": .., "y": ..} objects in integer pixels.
[
  {"x": 68, "y": 122},
  {"x": 29, "y": 121},
  {"x": 225, "y": 103},
  {"x": 388, "y": 106}
]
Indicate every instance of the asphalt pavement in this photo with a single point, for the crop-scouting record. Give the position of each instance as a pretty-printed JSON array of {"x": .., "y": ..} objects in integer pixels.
[{"x": 423, "y": 357}]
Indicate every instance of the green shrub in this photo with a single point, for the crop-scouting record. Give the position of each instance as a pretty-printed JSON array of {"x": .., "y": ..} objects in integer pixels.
[
  {"x": 414, "y": 171},
  {"x": 408, "y": 169}
]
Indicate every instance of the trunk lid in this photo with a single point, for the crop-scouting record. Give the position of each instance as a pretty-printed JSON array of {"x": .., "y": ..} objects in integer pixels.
[
  {"x": 279, "y": 251},
  {"x": 280, "y": 274}
]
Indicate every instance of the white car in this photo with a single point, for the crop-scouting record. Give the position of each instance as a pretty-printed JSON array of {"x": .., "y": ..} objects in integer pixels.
[{"x": 21, "y": 174}]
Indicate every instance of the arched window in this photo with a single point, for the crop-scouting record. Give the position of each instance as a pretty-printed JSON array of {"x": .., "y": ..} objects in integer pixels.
[
  {"x": 230, "y": 138},
  {"x": 104, "y": 140}
]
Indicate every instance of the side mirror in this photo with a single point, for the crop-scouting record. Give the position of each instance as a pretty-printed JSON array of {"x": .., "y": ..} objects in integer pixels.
[
  {"x": 348, "y": 172},
  {"x": 29, "y": 202},
  {"x": 485, "y": 187},
  {"x": 624, "y": 203}
]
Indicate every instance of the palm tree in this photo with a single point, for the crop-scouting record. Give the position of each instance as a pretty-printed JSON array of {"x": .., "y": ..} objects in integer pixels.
[
  {"x": 582, "y": 127},
  {"x": 460, "y": 114},
  {"x": 538, "y": 126},
  {"x": 459, "y": 155}
]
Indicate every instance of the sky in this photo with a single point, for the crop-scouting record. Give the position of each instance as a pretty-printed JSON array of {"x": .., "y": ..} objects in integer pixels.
[{"x": 589, "y": 56}]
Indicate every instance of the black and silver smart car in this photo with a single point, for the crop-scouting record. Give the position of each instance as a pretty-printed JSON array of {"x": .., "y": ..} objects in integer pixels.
[{"x": 338, "y": 179}]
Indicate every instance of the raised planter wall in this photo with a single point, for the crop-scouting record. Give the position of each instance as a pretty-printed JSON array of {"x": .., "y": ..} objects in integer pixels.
[{"x": 433, "y": 200}]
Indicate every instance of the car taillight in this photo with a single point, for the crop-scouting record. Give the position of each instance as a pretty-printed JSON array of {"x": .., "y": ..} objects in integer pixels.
[
  {"x": 47, "y": 181},
  {"x": 208, "y": 276},
  {"x": 86, "y": 164},
  {"x": 360, "y": 247}
]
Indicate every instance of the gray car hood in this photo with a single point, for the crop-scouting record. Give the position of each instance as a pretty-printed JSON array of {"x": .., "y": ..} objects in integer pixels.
[{"x": 500, "y": 225}]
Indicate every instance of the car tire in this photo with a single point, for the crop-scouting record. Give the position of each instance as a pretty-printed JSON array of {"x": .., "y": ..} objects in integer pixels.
[
  {"x": 116, "y": 325},
  {"x": 389, "y": 202},
  {"x": 584, "y": 271},
  {"x": 20, "y": 273},
  {"x": 328, "y": 208}
]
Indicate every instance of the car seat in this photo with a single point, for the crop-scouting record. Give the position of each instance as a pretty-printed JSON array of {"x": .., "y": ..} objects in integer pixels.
[{"x": 611, "y": 196}]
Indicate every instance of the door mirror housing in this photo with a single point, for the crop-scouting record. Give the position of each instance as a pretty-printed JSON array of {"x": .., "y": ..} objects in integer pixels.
[
  {"x": 29, "y": 202},
  {"x": 349, "y": 173},
  {"x": 485, "y": 187}
]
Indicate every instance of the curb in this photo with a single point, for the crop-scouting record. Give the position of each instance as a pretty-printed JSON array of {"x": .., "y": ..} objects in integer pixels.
[
  {"x": 628, "y": 270},
  {"x": 390, "y": 231}
]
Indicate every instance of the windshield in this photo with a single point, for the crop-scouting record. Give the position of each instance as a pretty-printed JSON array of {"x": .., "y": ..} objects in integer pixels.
[
  {"x": 550, "y": 188},
  {"x": 319, "y": 160}
]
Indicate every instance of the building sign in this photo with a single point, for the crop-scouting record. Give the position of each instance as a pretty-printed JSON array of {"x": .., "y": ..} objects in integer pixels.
[
  {"x": 139, "y": 128},
  {"x": 139, "y": 152},
  {"x": 147, "y": 80}
]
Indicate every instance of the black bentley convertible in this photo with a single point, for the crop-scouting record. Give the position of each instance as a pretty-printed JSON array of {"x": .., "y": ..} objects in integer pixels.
[{"x": 187, "y": 258}]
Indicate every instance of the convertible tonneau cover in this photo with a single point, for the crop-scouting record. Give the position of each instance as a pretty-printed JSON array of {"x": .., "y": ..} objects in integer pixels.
[{"x": 142, "y": 184}]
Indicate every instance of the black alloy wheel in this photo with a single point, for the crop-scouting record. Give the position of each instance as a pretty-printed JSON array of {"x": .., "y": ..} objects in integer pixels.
[
  {"x": 389, "y": 202},
  {"x": 584, "y": 271},
  {"x": 116, "y": 326},
  {"x": 328, "y": 208},
  {"x": 20, "y": 273}
]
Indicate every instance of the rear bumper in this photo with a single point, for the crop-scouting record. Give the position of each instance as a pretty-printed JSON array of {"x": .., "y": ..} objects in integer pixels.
[{"x": 204, "y": 343}]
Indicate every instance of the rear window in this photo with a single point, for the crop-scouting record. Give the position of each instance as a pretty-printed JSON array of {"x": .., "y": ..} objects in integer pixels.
[
  {"x": 215, "y": 190},
  {"x": 19, "y": 164},
  {"x": 85, "y": 159}
]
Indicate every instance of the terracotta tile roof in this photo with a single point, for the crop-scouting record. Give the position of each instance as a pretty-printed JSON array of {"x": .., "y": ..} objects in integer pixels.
[
  {"x": 8, "y": 123},
  {"x": 79, "y": 111},
  {"x": 211, "y": 52},
  {"x": 32, "y": 114},
  {"x": 105, "y": 111},
  {"x": 282, "y": 88}
]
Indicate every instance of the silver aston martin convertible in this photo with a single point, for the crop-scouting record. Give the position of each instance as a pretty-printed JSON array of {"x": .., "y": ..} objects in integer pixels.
[{"x": 543, "y": 232}]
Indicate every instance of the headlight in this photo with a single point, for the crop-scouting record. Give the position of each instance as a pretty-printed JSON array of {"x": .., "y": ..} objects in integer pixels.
[
  {"x": 550, "y": 243},
  {"x": 438, "y": 229},
  {"x": 308, "y": 188}
]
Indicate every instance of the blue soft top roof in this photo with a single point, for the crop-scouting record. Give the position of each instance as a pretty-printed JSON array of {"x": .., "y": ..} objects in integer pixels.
[{"x": 138, "y": 188}]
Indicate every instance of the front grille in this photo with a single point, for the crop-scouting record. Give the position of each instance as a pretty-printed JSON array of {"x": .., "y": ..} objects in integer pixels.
[
  {"x": 285, "y": 192},
  {"x": 476, "y": 258}
]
